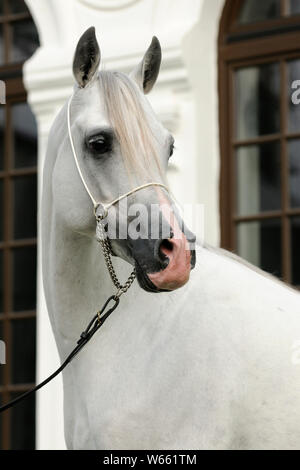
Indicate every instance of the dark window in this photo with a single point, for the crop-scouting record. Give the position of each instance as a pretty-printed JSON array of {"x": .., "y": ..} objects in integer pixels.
[
  {"x": 259, "y": 64},
  {"x": 18, "y": 227},
  {"x": 252, "y": 11}
]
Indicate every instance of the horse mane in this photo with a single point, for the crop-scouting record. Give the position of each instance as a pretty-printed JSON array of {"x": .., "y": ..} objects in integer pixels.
[
  {"x": 238, "y": 259},
  {"x": 130, "y": 123}
]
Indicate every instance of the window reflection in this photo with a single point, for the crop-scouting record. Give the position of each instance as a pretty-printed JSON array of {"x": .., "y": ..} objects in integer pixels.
[
  {"x": 257, "y": 101},
  {"x": 25, "y": 136},
  {"x": 1, "y": 45},
  {"x": 23, "y": 424},
  {"x": 1, "y": 211},
  {"x": 294, "y": 7},
  {"x": 25, "y": 201},
  {"x": 295, "y": 237},
  {"x": 23, "y": 357},
  {"x": 1, "y": 366},
  {"x": 253, "y": 10},
  {"x": 17, "y": 6},
  {"x": 258, "y": 178},
  {"x": 24, "y": 40},
  {"x": 293, "y": 74},
  {"x": 260, "y": 244},
  {"x": 1, "y": 283},
  {"x": 24, "y": 286},
  {"x": 2, "y": 124},
  {"x": 294, "y": 172}
]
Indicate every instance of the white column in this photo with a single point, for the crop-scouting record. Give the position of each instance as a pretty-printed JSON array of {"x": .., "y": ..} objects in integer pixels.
[
  {"x": 49, "y": 404},
  {"x": 201, "y": 55}
]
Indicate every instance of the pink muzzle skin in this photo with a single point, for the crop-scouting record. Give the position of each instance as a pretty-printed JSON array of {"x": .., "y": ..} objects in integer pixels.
[{"x": 177, "y": 273}]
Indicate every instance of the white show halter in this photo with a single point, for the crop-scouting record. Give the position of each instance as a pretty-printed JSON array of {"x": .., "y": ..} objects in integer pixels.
[
  {"x": 101, "y": 316},
  {"x": 96, "y": 204},
  {"x": 106, "y": 206}
]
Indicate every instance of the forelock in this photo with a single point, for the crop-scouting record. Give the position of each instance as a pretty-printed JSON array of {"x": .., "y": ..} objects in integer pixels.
[{"x": 139, "y": 146}]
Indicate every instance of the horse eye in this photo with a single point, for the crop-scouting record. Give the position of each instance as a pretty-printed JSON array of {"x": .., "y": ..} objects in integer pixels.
[
  {"x": 172, "y": 147},
  {"x": 99, "y": 145}
]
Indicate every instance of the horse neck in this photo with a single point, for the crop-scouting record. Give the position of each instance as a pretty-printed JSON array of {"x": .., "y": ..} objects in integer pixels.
[{"x": 79, "y": 280}]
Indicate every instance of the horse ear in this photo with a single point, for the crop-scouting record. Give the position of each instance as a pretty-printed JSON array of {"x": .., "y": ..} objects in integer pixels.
[
  {"x": 146, "y": 72},
  {"x": 86, "y": 58}
]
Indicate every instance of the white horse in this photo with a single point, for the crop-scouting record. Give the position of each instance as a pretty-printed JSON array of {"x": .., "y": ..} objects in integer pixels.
[{"x": 211, "y": 365}]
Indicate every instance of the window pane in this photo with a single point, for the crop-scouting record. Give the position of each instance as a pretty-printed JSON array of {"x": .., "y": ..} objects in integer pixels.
[
  {"x": 22, "y": 432},
  {"x": 1, "y": 210},
  {"x": 1, "y": 282},
  {"x": 260, "y": 244},
  {"x": 293, "y": 93},
  {"x": 294, "y": 172},
  {"x": 257, "y": 98},
  {"x": 23, "y": 354},
  {"x": 2, "y": 353},
  {"x": 2, "y": 130},
  {"x": 294, "y": 7},
  {"x": 295, "y": 234},
  {"x": 1, "y": 45},
  {"x": 17, "y": 6},
  {"x": 1, "y": 423},
  {"x": 24, "y": 40},
  {"x": 24, "y": 278},
  {"x": 25, "y": 206},
  {"x": 253, "y": 10},
  {"x": 25, "y": 136},
  {"x": 258, "y": 178}
]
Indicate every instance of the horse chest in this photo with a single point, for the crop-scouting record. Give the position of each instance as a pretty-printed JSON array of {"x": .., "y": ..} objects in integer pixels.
[{"x": 139, "y": 393}]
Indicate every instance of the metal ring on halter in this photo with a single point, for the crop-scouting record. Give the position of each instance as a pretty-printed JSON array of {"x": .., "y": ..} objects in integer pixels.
[
  {"x": 119, "y": 293},
  {"x": 103, "y": 215}
]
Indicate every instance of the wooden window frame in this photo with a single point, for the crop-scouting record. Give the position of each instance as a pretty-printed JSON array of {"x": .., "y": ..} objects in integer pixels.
[
  {"x": 231, "y": 27},
  {"x": 6, "y": 20},
  {"x": 12, "y": 74},
  {"x": 280, "y": 46}
]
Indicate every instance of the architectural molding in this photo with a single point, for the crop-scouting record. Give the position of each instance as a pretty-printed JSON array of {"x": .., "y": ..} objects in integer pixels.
[
  {"x": 60, "y": 24},
  {"x": 109, "y": 4}
]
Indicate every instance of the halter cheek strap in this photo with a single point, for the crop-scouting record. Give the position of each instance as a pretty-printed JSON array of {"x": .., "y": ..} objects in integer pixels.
[{"x": 96, "y": 204}]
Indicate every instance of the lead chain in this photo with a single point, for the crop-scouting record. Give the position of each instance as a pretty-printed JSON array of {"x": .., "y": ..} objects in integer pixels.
[{"x": 107, "y": 252}]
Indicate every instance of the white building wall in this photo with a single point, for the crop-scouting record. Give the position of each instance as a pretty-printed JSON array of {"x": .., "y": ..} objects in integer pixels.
[{"x": 185, "y": 98}]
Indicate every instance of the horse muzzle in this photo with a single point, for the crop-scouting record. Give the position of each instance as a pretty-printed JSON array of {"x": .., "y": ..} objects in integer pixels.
[{"x": 169, "y": 266}]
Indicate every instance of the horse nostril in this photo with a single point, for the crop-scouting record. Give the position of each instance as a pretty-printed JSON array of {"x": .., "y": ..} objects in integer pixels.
[{"x": 165, "y": 248}]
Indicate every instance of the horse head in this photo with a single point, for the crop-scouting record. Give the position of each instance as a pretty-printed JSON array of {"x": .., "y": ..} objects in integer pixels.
[{"x": 119, "y": 146}]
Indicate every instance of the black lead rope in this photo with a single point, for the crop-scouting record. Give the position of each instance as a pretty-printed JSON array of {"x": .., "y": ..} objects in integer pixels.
[{"x": 85, "y": 336}]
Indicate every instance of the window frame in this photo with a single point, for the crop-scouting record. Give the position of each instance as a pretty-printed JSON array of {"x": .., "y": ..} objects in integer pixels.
[
  {"x": 12, "y": 74},
  {"x": 236, "y": 51},
  {"x": 232, "y": 28}
]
